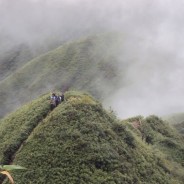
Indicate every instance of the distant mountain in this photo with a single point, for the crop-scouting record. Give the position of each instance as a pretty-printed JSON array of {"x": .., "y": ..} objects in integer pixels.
[
  {"x": 180, "y": 127},
  {"x": 174, "y": 118},
  {"x": 80, "y": 142},
  {"x": 89, "y": 64},
  {"x": 14, "y": 56},
  {"x": 177, "y": 120},
  {"x": 12, "y": 59}
]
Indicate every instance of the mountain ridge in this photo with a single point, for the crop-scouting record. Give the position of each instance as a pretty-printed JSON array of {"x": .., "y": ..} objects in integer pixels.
[
  {"x": 80, "y": 142},
  {"x": 81, "y": 65}
]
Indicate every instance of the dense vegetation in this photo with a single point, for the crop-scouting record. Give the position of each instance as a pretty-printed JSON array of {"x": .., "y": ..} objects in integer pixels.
[
  {"x": 163, "y": 139},
  {"x": 80, "y": 142},
  {"x": 16, "y": 127},
  {"x": 85, "y": 64}
]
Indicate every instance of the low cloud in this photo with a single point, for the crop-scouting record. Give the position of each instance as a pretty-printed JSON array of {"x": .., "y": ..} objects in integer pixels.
[{"x": 153, "y": 47}]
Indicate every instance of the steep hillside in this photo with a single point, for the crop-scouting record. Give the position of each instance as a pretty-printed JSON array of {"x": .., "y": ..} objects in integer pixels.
[
  {"x": 89, "y": 64},
  {"x": 12, "y": 59},
  {"x": 78, "y": 142},
  {"x": 163, "y": 139},
  {"x": 14, "y": 56},
  {"x": 15, "y": 128},
  {"x": 166, "y": 138}
]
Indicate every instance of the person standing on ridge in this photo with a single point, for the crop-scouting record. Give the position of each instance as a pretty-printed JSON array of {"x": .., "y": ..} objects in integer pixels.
[
  {"x": 62, "y": 97},
  {"x": 53, "y": 99}
]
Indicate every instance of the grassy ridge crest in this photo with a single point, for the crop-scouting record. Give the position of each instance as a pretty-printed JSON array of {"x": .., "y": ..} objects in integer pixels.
[{"x": 80, "y": 142}]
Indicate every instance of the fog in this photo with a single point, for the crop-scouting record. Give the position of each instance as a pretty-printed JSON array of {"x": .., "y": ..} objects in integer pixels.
[{"x": 153, "y": 48}]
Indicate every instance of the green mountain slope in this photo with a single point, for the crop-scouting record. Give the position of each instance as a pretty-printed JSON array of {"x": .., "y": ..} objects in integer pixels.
[
  {"x": 161, "y": 136},
  {"x": 15, "y": 128},
  {"x": 85, "y": 64},
  {"x": 12, "y": 59},
  {"x": 79, "y": 142},
  {"x": 14, "y": 56}
]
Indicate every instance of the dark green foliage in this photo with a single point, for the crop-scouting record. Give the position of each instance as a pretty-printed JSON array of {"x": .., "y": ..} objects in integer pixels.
[
  {"x": 149, "y": 139},
  {"x": 125, "y": 134},
  {"x": 158, "y": 125},
  {"x": 169, "y": 143},
  {"x": 79, "y": 142},
  {"x": 16, "y": 127},
  {"x": 165, "y": 137},
  {"x": 147, "y": 132}
]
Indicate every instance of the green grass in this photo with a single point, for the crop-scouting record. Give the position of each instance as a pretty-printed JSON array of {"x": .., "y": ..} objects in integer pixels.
[
  {"x": 80, "y": 142},
  {"x": 84, "y": 65},
  {"x": 16, "y": 127},
  {"x": 163, "y": 139}
]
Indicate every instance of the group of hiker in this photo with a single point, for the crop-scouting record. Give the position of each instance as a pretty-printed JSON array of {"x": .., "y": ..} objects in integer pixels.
[{"x": 55, "y": 100}]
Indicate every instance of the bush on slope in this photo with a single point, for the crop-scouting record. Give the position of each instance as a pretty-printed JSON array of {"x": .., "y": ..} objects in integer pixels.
[
  {"x": 163, "y": 139},
  {"x": 16, "y": 127},
  {"x": 167, "y": 138},
  {"x": 79, "y": 142}
]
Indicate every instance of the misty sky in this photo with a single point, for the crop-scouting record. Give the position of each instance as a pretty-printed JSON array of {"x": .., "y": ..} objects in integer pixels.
[{"x": 154, "y": 44}]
